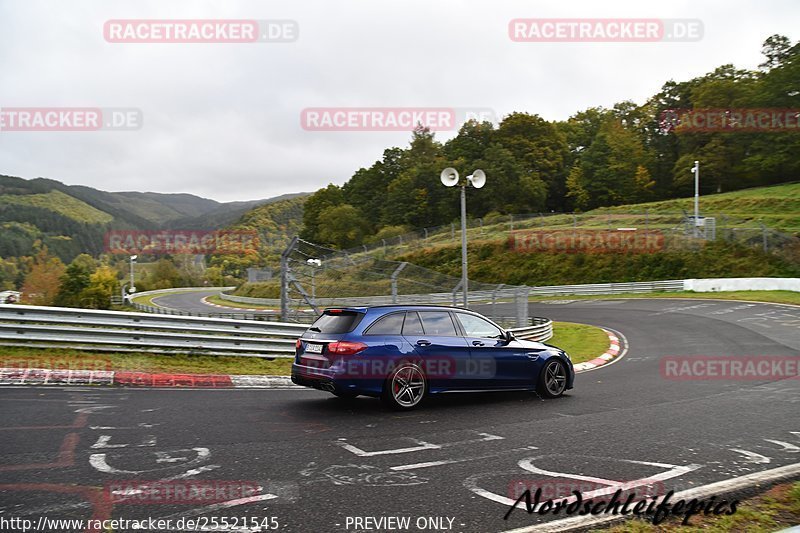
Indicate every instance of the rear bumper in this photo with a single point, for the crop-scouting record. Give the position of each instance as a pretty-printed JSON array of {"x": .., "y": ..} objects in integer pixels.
[{"x": 331, "y": 380}]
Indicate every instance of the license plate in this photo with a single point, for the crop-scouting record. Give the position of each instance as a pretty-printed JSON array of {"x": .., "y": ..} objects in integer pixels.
[{"x": 313, "y": 348}]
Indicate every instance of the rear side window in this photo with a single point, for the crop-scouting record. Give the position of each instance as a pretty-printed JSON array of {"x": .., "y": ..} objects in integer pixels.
[
  {"x": 412, "y": 325},
  {"x": 438, "y": 323},
  {"x": 336, "y": 322},
  {"x": 387, "y": 325}
]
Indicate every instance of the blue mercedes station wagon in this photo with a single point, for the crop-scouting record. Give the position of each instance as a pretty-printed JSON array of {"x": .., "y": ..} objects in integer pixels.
[{"x": 403, "y": 353}]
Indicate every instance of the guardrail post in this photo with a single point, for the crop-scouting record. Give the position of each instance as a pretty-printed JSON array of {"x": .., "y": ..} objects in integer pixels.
[
  {"x": 455, "y": 293},
  {"x": 512, "y": 222},
  {"x": 521, "y": 304},
  {"x": 426, "y": 233},
  {"x": 494, "y": 300},
  {"x": 452, "y": 230},
  {"x": 285, "y": 279},
  {"x": 394, "y": 280}
]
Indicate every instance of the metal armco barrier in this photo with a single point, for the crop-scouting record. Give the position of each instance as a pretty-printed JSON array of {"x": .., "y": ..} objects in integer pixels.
[
  {"x": 445, "y": 298},
  {"x": 23, "y": 325},
  {"x": 88, "y": 329},
  {"x": 610, "y": 288},
  {"x": 541, "y": 330}
]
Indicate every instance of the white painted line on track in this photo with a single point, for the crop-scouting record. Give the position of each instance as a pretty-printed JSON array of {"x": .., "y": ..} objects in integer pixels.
[
  {"x": 424, "y": 465},
  {"x": 361, "y": 453}
]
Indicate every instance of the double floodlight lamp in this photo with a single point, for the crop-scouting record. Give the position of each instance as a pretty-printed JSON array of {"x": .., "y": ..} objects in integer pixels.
[{"x": 449, "y": 178}]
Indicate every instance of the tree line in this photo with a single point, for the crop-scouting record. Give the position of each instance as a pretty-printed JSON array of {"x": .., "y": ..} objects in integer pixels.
[{"x": 597, "y": 157}]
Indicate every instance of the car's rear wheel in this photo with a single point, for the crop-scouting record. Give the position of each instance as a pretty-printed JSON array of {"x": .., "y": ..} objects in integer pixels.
[
  {"x": 553, "y": 379},
  {"x": 405, "y": 387}
]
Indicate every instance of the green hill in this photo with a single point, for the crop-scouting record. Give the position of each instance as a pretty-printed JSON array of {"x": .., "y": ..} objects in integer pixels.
[
  {"x": 61, "y": 203},
  {"x": 73, "y": 219}
]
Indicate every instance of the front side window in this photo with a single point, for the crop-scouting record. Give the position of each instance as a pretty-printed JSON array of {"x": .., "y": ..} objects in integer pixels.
[
  {"x": 438, "y": 323},
  {"x": 475, "y": 326}
]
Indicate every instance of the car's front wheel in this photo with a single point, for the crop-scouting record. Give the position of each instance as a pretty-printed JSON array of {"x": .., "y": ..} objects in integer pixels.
[
  {"x": 405, "y": 387},
  {"x": 553, "y": 379}
]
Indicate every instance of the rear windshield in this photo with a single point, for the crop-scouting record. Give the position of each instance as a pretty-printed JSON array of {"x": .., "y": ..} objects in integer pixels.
[{"x": 337, "y": 322}]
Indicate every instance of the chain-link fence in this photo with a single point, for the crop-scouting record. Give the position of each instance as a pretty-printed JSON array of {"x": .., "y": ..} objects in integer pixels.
[
  {"x": 675, "y": 227},
  {"x": 314, "y": 277}
]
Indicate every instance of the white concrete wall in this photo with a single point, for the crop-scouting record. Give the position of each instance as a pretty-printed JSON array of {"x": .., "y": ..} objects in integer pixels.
[{"x": 742, "y": 284}]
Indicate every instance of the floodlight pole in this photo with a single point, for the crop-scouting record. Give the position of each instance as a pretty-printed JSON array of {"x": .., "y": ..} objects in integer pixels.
[{"x": 464, "y": 279}]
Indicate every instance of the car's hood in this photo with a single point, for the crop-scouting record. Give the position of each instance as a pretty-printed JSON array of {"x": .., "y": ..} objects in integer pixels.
[{"x": 533, "y": 345}]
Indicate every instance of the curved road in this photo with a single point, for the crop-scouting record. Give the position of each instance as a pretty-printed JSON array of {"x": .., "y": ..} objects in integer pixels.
[{"x": 328, "y": 462}]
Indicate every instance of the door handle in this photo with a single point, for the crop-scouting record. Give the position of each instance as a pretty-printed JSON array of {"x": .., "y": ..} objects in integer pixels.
[
  {"x": 423, "y": 342},
  {"x": 477, "y": 343}
]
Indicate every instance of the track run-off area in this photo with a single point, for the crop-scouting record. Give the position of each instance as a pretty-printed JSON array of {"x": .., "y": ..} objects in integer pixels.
[{"x": 318, "y": 463}]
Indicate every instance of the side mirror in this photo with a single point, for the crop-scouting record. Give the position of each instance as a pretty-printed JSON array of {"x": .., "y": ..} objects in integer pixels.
[{"x": 509, "y": 336}]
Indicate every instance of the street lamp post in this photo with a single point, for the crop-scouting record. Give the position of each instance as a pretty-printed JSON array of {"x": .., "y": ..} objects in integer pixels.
[
  {"x": 315, "y": 263},
  {"x": 133, "y": 284},
  {"x": 449, "y": 177},
  {"x": 696, "y": 170}
]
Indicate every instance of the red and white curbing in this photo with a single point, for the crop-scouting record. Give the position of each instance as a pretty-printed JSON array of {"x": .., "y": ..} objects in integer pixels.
[
  {"x": 44, "y": 376},
  {"x": 205, "y": 301},
  {"x": 613, "y": 351}
]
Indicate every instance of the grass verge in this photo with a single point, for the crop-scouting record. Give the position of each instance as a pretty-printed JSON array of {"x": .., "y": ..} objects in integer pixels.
[
  {"x": 141, "y": 362},
  {"x": 777, "y": 297},
  {"x": 776, "y": 509},
  {"x": 581, "y": 342}
]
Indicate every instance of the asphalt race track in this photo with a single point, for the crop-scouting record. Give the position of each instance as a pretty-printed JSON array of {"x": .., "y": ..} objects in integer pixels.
[
  {"x": 323, "y": 462},
  {"x": 190, "y": 301}
]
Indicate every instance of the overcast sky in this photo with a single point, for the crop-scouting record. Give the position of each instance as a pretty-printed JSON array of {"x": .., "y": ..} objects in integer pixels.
[{"x": 223, "y": 120}]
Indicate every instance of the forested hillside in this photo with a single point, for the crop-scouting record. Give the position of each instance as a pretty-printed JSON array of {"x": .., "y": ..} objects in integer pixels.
[{"x": 598, "y": 157}]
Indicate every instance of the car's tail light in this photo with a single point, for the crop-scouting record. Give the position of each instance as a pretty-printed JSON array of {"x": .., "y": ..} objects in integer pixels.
[
  {"x": 298, "y": 344},
  {"x": 346, "y": 347}
]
